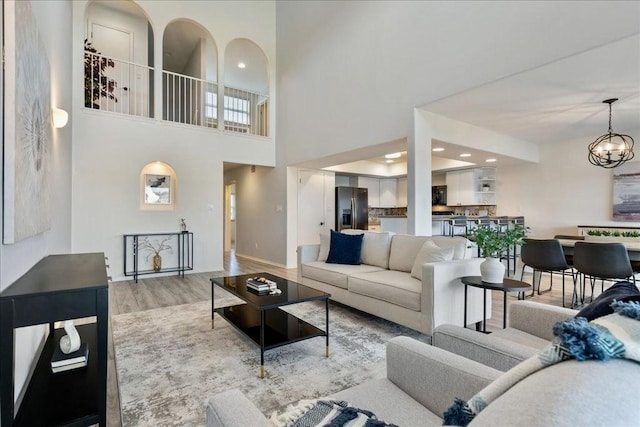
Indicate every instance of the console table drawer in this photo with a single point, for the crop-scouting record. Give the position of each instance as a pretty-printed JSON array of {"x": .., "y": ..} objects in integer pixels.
[{"x": 41, "y": 309}]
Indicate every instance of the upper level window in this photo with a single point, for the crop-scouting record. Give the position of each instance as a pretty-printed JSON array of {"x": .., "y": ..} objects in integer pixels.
[{"x": 237, "y": 113}]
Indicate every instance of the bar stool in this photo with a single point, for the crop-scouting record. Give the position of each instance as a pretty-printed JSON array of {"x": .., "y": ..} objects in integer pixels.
[
  {"x": 516, "y": 221},
  {"x": 483, "y": 221},
  {"x": 502, "y": 225},
  {"x": 604, "y": 261},
  {"x": 459, "y": 222}
]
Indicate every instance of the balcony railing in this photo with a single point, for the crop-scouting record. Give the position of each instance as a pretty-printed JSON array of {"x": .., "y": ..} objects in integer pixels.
[
  {"x": 117, "y": 86},
  {"x": 189, "y": 100},
  {"x": 124, "y": 87}
]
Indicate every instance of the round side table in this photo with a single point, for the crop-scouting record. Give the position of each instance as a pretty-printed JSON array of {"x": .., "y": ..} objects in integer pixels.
[{"x": 507, "y": 285}]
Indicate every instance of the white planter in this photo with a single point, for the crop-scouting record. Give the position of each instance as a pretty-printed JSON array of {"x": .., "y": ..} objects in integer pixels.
[{"x": 492, "y": 270}]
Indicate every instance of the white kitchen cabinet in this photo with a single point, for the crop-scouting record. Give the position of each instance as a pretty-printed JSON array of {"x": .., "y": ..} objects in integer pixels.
[
  {"x": 471, "y": 187},
  {"x": 388, "y": 191},
  {"x": 485, "y": 186},
  {"x": 373, "y": 185},
  {"x": 401, "y": 195},
  {"x": 461, "y": 188}
]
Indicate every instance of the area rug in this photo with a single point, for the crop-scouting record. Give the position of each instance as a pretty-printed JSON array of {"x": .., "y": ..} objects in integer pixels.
[{"x": 169, "y": 361}]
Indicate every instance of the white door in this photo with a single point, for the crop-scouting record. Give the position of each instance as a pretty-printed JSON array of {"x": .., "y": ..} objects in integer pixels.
[
  {"x": 311, "y": 207},
  {"x": 117, "y": 45}
]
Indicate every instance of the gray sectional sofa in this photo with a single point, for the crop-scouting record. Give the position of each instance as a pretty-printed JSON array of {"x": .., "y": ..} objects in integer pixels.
[
  {"x": 391, "y": 285},
  {"x": 422, "y": 382}
]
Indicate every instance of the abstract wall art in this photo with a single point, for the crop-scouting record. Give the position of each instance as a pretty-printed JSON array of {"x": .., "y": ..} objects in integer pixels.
[
  {"x": 626, "y": 192},
  {"x": 28, "y": 128}
]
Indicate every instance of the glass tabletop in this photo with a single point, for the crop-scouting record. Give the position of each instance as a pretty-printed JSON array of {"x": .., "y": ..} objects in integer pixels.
[{"x": 292, "y": 292}]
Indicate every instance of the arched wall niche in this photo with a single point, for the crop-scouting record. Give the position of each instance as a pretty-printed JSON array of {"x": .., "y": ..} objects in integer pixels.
[{"x": 158, "y": 187}]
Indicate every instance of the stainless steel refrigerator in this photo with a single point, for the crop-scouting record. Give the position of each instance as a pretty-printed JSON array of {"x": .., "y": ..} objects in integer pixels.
[{"x": 352, "y": 208}]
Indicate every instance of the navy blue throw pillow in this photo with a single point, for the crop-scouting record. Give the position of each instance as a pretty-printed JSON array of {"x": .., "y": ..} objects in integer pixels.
[
  {"x": 345, "y": 248},
  {"x": 601, "y": 306}
]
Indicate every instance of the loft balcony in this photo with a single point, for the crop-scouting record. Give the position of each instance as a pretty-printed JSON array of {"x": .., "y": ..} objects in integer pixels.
[{"x": 124, "y": 87}]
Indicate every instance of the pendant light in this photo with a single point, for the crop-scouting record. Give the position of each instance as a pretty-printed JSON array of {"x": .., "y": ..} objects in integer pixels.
[{"x": 611, "y": 149}]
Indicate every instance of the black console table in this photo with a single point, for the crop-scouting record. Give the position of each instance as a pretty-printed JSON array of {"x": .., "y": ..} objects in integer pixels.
[
  {"x": 57, "y": 288},
  {"x": 183, "y": 262}
]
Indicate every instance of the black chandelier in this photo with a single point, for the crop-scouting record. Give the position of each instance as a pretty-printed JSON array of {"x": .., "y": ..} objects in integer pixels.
[{"x": 611, "y": 149}]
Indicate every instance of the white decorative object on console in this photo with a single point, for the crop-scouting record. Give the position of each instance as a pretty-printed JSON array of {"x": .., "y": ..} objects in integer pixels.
[{"x": 70, "y": 342}]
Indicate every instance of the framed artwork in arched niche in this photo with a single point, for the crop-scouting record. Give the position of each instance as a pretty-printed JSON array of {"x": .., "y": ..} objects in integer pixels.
[{"x": 158, "y": 184}]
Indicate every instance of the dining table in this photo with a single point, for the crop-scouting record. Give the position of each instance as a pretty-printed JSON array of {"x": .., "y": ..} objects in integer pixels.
[{"x": 633, "y": 248}]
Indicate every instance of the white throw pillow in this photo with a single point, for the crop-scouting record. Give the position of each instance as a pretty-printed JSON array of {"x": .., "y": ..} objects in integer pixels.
[
  {"x": 430, "y": 252},
  {"x": 375, "y": 247},
  {"x": 325, "y": 245}
]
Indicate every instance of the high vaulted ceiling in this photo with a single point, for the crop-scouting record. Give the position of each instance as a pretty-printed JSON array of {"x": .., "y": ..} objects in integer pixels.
[{"x": 559, "y": 101}]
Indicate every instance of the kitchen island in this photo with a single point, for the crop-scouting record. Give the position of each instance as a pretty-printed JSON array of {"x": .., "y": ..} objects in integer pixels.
[{"x": 394, "y": 223}]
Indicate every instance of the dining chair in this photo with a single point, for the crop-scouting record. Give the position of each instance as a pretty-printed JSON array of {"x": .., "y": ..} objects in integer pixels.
[
  {"x": 604, "y": 261},
  {"x": 546, "y": 255},
  {"x": 568, "y": 257}
]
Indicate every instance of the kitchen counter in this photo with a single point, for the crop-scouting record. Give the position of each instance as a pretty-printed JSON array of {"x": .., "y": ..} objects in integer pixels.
[{"x": 394, "y": 223}]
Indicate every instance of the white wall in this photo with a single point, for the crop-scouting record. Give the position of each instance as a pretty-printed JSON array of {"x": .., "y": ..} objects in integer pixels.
[
  {"x": 260, "y": 223},
  {"x": 54, "y": 24},
  {"x": 560, "y": 192},
  {"x": 110, "y": 150}
]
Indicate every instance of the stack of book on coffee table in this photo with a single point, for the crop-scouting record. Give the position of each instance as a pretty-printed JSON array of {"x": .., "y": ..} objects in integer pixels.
[
  {"x": 64, "y": 362},
  {"x": 261, "y": 285}
]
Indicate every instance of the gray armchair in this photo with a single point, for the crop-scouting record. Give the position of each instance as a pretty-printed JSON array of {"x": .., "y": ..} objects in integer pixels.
[{"x": 529, "y": 329}]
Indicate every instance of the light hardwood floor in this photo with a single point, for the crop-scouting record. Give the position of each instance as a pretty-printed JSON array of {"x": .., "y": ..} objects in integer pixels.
[{"x": 150, "y": 293}]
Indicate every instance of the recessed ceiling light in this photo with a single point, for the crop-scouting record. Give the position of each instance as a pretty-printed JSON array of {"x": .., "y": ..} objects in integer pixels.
[
  {"x": 389, "y": 161},
  {"x": 242, "y": 65},
  {"x": 465, "y": 155},
  {"x": 490, "y": 160},
  {"x": 437, "y": 149},
  {"x": 392, "y": 155}
]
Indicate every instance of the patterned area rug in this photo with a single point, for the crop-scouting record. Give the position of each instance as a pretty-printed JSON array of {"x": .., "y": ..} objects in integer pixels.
[{"x": 170, "y": 362}]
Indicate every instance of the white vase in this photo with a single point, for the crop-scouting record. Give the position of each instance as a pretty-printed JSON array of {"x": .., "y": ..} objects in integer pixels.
[{"x": 492, "y": 270}]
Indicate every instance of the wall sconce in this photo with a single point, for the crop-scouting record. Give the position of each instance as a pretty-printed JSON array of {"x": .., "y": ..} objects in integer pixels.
[{"x": 59, "y": 118}]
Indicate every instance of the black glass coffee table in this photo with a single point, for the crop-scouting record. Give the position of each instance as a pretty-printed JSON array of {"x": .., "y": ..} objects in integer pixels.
[{"x": 261, "y": 318}]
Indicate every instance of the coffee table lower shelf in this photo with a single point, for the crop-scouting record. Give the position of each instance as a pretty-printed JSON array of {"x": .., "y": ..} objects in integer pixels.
[{"x": 280, "y": 328}]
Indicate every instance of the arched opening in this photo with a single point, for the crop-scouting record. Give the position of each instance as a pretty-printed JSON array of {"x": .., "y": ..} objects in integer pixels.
[
  {"x": 118, "y": 58},
  {"x": 246, "y": 88},
  {"x": 189, "y": 76}
]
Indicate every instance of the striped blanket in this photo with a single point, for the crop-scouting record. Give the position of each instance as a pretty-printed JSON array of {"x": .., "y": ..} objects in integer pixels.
[
  {"x": 614, "y": 336},
  {"x": 333, "y": 413}
]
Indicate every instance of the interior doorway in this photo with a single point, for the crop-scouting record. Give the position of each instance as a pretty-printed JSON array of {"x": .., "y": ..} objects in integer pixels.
[{"x": 230, "y": 217}]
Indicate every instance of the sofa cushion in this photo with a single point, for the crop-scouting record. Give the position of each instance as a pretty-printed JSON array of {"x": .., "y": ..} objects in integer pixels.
[
  {"x": 571, "y": 393},
  {"x": 601, "y": 306},
  {"x": 390, "y": 403},
  {"x": 430, "y": 252},
  {"x": 325, "y": 244},
  {"x": 461, "y": 245},
  {"x": 392, "y": 286},
  {"x": 375, "y": 247},
  {"x": 334, "y": 274},
  {"x": 522, "y": 338},
  {"x": 404, "y": 249},
  {"x": 345, "y": 249}
]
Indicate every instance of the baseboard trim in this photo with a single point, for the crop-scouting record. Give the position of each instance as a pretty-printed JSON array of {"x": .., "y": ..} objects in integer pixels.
[{"x": 263, "y": 261}]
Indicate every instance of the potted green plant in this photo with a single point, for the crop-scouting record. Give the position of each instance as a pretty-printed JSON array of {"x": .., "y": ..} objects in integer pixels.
[
  {"x": 492, "y": 244},
  {"x": 97, "y": 84}
]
